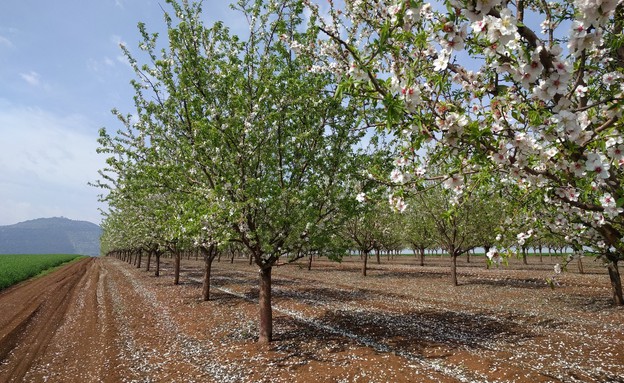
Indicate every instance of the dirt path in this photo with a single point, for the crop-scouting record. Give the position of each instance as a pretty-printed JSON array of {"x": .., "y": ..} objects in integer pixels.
[
  {"x": 31, "y": 314},
  {"x": 91, "y": 322},
  {"x": 60, "y": 328}
]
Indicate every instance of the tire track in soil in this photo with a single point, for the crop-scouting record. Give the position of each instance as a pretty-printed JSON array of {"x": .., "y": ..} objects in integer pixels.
[
  {"x": 103, "y": 336},
  {"x": 31, "y": 313},
  {"x": 183, "y": 357},
  {"x": 83, "y": 348}
]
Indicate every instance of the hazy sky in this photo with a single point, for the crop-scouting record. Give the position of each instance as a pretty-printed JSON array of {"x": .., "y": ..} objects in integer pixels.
[{"x": 61, "y": 73}]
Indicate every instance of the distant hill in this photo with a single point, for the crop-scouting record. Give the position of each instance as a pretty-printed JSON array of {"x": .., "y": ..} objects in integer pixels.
[{"x": 51, "y": 236}]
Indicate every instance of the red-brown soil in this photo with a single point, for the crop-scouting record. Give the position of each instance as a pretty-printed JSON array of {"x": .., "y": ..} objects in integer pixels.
[{"x": 103, "y": 320}]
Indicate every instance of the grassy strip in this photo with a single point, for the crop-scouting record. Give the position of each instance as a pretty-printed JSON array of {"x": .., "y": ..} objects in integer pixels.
[{"x": 15, "y": 268}]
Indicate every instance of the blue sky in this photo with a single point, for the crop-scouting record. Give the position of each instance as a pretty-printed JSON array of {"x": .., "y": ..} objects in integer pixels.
[{"x": 61, "y": 73}]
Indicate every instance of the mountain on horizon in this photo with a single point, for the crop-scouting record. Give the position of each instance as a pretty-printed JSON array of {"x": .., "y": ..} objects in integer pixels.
[{"x": 56, "y": 235}]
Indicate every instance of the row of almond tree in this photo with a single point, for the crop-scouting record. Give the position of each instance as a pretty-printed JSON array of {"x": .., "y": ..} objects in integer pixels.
[
  {"x": 284, "y": 141},
  {"x": 476, "y": 223}
]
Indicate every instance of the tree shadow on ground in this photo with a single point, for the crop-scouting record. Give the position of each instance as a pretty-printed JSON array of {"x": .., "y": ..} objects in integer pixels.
[
  {"x": 322, "y": 295},
  {"x": 221, "y": 281},
  {"x": 528, "y": 283},
  {"x": 224, "y": 279},
  {"x": 585, "y": 303},
  {"x": 525, "y": 283},
  {"x": 424, "y": 274},
  {"x": 301, "y": 342},
  {"x": 222, "y": 298},
  {"x": 417, "y": 330}
]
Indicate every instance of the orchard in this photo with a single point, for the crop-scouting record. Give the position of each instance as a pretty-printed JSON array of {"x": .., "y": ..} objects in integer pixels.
[{"x": 335, "y": 127}]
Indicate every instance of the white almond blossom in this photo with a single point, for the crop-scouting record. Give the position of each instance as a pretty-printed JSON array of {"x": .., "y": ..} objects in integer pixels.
[
  {"x": 397, "y": 176},
  {"x": 494, "y": 256},
  {"x": 361, "y": 197},
  {"x": 454, "y": 182},
  {"x": 598, "y": 163}
]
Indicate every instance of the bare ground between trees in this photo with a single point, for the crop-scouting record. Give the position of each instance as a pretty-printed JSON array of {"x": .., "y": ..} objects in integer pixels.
[{"x": 111, "y": 322}]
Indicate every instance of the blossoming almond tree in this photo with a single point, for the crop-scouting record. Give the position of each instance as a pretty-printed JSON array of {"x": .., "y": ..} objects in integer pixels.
[
  {"x": 418, "y": 230},
  {"x": 261, "y": 148},
  {"x": 530, "y": 90},
  {"x": 455, "y": 225},
  {"x": 362, "y": 229}
]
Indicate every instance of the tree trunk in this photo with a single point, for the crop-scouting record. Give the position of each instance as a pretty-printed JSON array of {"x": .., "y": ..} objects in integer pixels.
[
  {"x": 310, "y": 261},
  {"x": 468, "y": 256},
  {"x": 157, "y": 272},
  {"x": 541, "y": 254},
  {"x": 524, "y": 256},
  {"x": 421, "y": 254},
  {"x": 616, "y": 283},
  {"x": 365, "y": 256},
  {"x": 176, "y": 267},
  {"x": 579, "y": 262},
  {"x": 139, "y": 256},
  {"x": 377, "y": 256},
  {"x": 207, "y": 268},
  {"x": 149, "y": 260},
  {"x": 454, "y": 269},
  {"x": 266, "y": 314}
]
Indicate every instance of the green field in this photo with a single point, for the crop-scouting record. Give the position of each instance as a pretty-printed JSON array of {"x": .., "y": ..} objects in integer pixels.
[{"x": 15, "y": 268}]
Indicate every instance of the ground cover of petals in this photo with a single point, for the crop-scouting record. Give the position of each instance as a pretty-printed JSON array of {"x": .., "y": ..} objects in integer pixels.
[{"x": 401, "y": 323}]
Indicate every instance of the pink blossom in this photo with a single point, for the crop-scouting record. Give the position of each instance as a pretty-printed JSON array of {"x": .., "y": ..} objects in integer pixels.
[
  {"x": 598, "y": 163},
  {"x": 581, "y": 91},
  {"x": 616, "y": 153},
  {"x": 577, "y": 168},
  {"x": 397, "y": 203},
  {"x": 397, "y": 176},
  {"x": 411, "y": 96},
  {"x": 454, "y": 182},
  {"x": 610, "y": 78}
]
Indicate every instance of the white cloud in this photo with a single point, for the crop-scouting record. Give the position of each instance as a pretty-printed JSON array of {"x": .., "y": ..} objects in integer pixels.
[
  {"x": 13, "y": 211},
  {"x": 47, "y": 161},
  {"x": 123, "y": 60},
  {"x": 6, "y": 42},
  {"x": 100, "y": 65},
  {"x": 93, "y": 65},
  {"x": 117, "y": 40},
  {"x": 31, "y": 77}
]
